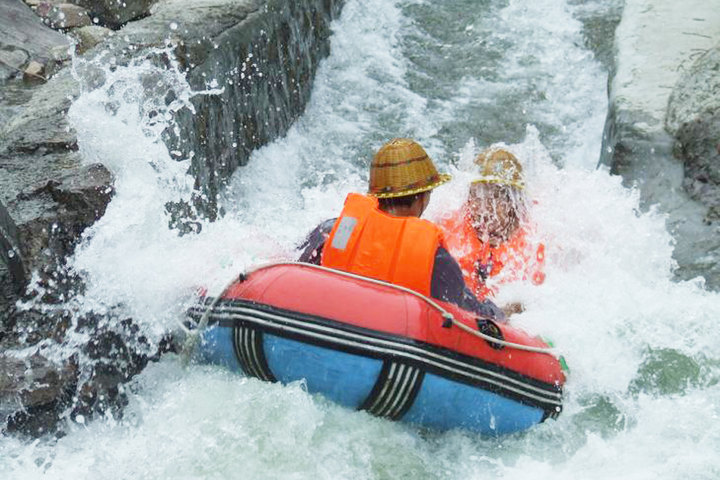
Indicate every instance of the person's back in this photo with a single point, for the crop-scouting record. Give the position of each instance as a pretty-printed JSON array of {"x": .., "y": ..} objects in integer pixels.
[{"x": 381, "y": 235}]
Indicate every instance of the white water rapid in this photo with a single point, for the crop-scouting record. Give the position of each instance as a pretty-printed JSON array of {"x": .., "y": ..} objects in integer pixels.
[{"x": 642, "y": 397}]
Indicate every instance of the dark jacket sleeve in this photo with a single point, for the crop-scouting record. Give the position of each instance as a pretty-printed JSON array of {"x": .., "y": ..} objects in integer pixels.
[
  {"x": 448, "y": 285},
  {"x": 313, "y": 244}
]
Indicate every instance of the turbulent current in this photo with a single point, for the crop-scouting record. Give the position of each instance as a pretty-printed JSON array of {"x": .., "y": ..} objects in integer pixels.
[{"x": 642, "y": 397}]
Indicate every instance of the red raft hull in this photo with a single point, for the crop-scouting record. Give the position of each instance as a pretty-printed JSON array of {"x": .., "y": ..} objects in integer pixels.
[{"x": 359, "y": 321}]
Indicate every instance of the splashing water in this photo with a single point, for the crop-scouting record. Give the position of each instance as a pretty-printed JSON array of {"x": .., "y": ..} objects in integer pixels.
[{"x": 642, "y": 397}]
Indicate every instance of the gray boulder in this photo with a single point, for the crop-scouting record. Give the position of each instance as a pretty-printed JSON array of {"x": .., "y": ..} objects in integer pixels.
[
  {"x": 50, "y": 197},
  {"x": 22, "y": 30},
  {"x": 696, "y": 93},
  {"x": 30, "y": 392},
  {"x": 10, "y": 250},
  {"x": 699, "y": 149},
  {"x": 63, "y": 15},
  {"x": 11, "y": 62},
  {"x": 90, "y": 36},
  {"x": 694, "y": 119},
  {"x": 656, "y": 41},
  {"x": 263, "y": 55},
  {"x": 116, "y": 13}
]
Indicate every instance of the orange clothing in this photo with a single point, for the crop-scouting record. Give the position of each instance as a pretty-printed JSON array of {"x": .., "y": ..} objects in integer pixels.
[
  {"x": 366, "y": 241},
  {"x": 479, "y": 261}
]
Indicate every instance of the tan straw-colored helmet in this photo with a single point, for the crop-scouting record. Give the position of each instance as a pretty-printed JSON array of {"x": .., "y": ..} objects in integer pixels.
[
  {"x": 501, "y": 167},
  {"x": 402, "y": 167}
]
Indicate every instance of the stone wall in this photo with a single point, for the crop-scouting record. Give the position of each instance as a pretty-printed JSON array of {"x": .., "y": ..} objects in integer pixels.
[
  {"x": 263, "y": 54},
  {"x": 655, "y": 43}
]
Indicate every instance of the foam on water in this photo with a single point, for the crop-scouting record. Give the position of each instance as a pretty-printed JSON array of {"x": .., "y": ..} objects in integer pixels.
[{"x": 642, "y": 397}]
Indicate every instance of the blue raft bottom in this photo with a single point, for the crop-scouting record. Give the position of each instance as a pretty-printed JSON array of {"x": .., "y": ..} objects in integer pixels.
[{"x": 348, "y": 380}]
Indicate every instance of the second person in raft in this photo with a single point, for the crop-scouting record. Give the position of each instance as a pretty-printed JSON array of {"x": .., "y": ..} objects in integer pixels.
[
  {"x": 489, "y": 233},
  {"x": 380, "y": 235}
]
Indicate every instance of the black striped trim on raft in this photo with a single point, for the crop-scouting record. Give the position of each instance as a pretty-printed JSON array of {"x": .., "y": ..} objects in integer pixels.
[{"x": 390, "y": 348}]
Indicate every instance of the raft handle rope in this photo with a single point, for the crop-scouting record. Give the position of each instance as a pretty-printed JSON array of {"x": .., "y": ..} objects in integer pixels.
[
  {"x": 448, "y": 318},
  {"x": 193, "y": 335}
]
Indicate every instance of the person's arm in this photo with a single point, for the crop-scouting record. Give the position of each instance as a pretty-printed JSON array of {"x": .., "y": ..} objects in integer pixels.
[
  {"x": 314, "y": 243},
  {"x": 448, "y": 285}
]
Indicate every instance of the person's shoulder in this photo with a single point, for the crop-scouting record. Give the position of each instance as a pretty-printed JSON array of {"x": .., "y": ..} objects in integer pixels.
[{"x": 327, "y": 225}]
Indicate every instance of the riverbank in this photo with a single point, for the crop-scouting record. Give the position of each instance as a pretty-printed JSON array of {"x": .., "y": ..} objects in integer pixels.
[
  {"x": 660, "y": 50},
  {"x": 252, "y": 65}
]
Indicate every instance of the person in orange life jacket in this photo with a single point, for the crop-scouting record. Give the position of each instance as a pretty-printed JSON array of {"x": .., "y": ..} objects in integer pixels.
[
  {"x": 380, "y": 235},
  {"x": 488, "y": 234}
]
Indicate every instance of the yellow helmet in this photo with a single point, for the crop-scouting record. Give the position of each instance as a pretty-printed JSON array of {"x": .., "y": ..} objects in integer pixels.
[
  {"x": 501, "y": 167},
  {"x": 402, "y": 167}
]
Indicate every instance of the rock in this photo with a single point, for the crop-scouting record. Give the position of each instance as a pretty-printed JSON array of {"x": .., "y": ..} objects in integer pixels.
[
  {"x": 655, "y": 42},
  {"x": 51, "y": 217},
  {"x": 23, "y": 30},
  {"x": 34, "y": 72},
  {"x": 41, "y": 127},
  {"x": 51, "y": 197},
  {"x": 43, "y": 182},
  {"x": 10, "y": 62},
  {"x": 116, "y": 13},
  {"x": 696, "y": 92},
  {"x": 33, "y": 380},
  {"x": 32, "y": 391},
  {"x": 10, "y": 250},
  {"x": 63, "y": 15},
  {"x": 262, "y": 55},
  {"x": 699, "y": 148},
  {"x": 694, "y": 119},
  {"x": 35, "y": 3},
  {"x": 88, "y": 37}
]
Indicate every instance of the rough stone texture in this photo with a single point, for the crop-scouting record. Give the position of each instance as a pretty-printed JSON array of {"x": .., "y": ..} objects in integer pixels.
[
  {"x": 10, "y": 63},
  {"x": 63, "y": 15},
  {"x": 697, "y": 91},
  {"x": 31, "y": 389},
  {"x": 34, "y": 72},
  {"x": 50, "y": 197},
  {"x": 41, "y": 127},
  {"x": 10, "y": 252},
  {"x": 21, "y": 29},
  {"x": 116, "y": 13},
  {"x": 51, "y": 216},
  {"x": 35, "y": 3},
  {"x": 699, "y": 148},
  {"x": 90, "y": 36},
  {"x": 263, "y": 56},
  {"x": 694, "y": 119},
  {"x": 655, "y": 42}
]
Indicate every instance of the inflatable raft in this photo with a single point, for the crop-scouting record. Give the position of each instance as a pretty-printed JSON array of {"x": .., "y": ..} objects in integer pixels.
[{"x": 377, "y": 347}]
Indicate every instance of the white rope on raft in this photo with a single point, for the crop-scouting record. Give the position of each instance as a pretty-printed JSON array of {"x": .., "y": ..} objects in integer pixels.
[{"x": 194, "y": 336}]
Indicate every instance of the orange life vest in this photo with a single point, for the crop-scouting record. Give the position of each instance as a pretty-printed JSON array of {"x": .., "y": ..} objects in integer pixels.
[
  {"x": 369, "y": 242},
  {"x": 479, "y": 261}
]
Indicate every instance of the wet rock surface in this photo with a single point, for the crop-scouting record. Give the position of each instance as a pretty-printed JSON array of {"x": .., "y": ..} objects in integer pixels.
[
  {"x": 639, "y": 141},
  {"x": 699, "y": 148},
  {"x": 63, "y": 15},
  {"x": 694, "y": 121},
  {"x": 114, "y": 13},
  {"x": 24, "y": 38},
  {"x": 90, "y": 36},
  {"x": 259, "y": 58},
  {"x": 32, "y": 390}
]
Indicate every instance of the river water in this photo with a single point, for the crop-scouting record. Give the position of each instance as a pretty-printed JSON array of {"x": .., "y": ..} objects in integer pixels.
[{"x": 642, "y": 397}]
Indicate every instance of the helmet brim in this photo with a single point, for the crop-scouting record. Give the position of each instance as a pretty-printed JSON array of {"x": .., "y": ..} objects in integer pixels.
[{"x": 442, "y": 178}]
